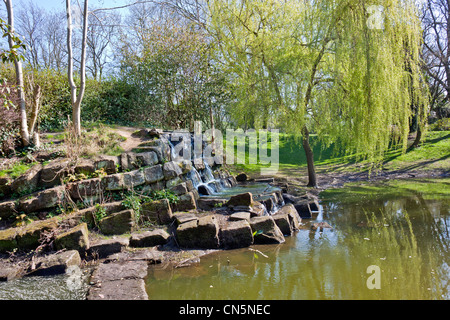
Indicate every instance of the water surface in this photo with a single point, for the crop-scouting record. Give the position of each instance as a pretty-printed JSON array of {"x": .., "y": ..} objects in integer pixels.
[{"x": 402, "y": 228}]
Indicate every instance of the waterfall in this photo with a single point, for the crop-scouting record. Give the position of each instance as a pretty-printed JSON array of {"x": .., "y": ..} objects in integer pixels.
[
  {"x": 209, "y": 177},
  {"x": 195, "y": 177}
]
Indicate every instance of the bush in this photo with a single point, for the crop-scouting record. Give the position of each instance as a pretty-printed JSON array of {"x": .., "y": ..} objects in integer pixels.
[{"x": 441, "y": 125}]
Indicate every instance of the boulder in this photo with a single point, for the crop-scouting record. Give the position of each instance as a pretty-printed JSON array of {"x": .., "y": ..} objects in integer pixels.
[
  {"x": 294, "y": 218},
  {"x": 52, "y": 174},
  {"x": 266, "y": 231},
  {"x": 86, "y": 188},
  {"x": 85, "y": 167},
  {"x": 134, "y": 178},
  {"x": 242, "y": 177},
  {"x": 113, "y": 182},
  {"x": 153, "y": 174},
  {"x": 142, "y": 133},
  {"x": 243, "y": 215},
  {"x": 119, "y": 280},
  {"x": 108, "y": 163},
  {"x": 321, "y": 226},
  {"x": 28, "y": 236},
  {"x": 283, "y": 222},
  {"x": 183, "y": 217},
  {"x": 148, "y": 158},
  {"x": 7, "y": 209},
  {"x": 204, "y": 190},
  {"x": 303, "y": 209},
  {"x": 173, "y": 182},
  {"x": 171, "y": 170},
  {"x": 105, "y": 247},
  {"x": 158, "y": 211},
  {"x": 202, "y": 233},
  {"x": 186, "y": 202},
  {"x": 27, "y": 182},
  {"x": 74, "y": 239},
  {"x": 8, "y": 240},
  {"x": 209, "y": 204},
  {"x": 118, "y": 223},
  {"x": 243, "y": 199},
  {"x": 56, "y": 263},
  {"x": 149, "y": 238},
  {"x": 236, "y": 234},
  {"x": 186, "y": 166},
  {"x": 46, "y": 199},
  {"x": 180, "y": 189}
]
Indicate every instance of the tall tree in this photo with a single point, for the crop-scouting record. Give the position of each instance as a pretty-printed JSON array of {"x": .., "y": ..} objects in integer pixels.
[
  {"x": 19, "y": 75},
  {"x": 331, "y": 71},
  {"x": 76, "y": 99}
]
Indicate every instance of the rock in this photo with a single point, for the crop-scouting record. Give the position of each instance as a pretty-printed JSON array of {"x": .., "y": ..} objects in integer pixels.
[
  {"x": 9, "y": 272},
  {"x": 52, "y": 174},
  {"x": 171, "y": 170},
  {"x": 57, "y": 263},
  {"x": 201, "y": 233},
  {"x": 303, "y": 210},
  {"x": 28, "y": 237},
  {"x": 180, "y": 189},
  {"x": 186, "y": 202},
  {"x": 119, "y": 280},
  {"x": 267, "y": 232},
  {"x": 108, "y": 163},
  {"x": 114, "y": 182},
  {"x": 173, "y": 182},
  {"x": 186, "y": 166},
  {"x": 127, "y": 289},
  {"x": 133, "y": 178},
  {"x": 142, "y": 133},
  {"x": 314, "y": 205},
  {"x": 7, "y": 209},
  {"x": 75, "y": 239},
  {"x": 294, "y": 218},
  {"x": 149, "y": 238},
  {"x": 243, "y": 199},
  {"x": 243, "y": 215},
  {"x": 118, "y": 223},
  {"x": 209, "y": 204},
  {"x": 257, "y": 209},
  {"x": 321, "y": 226},
  {"x": 153, "y": 174},
  {"x": 27, "y": 182},
  {"x": 236, "y": 234},
  {"x": 204, "y": 190},
  {"x": 242, "y": 177},
  {"x": 155, "y": 133},
  {"x": 85, "y": 188},
  {"x": 183, "y": 217},
  {"x": 106, "y": 247},
  {"x": 8, "y": 240},
  {"x": 282, "y": 221},
  {"x": 158, "y": 211},
  {"x": 46, "y": 199},
  {"x": 85, "y": 167},
  {"x": 148, "y": 158}
]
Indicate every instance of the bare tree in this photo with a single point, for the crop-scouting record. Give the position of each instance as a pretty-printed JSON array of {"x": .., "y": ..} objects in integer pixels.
[
  {"x": 76, "y": 99},
  {"x": 436, "y": 34},
  {"x": 19, "y": 77}
]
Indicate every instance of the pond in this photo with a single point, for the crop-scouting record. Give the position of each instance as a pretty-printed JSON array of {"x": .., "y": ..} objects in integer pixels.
[{"x": 389, "y": 241}]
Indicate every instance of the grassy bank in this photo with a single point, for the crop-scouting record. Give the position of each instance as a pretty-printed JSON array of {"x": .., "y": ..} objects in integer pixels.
[{"x": 433, "y": 154}]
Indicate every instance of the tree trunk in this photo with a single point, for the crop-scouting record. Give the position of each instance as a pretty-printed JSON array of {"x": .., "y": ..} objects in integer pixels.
[
  {"x": 37, "y": 94},
  {"x": 76, "y": 99},
  {"x": 19, "y": 78},
  {"x": 312, "y": 177},
  {"x": 418, "y": 137},
  {"x": 213, "y": 135}
]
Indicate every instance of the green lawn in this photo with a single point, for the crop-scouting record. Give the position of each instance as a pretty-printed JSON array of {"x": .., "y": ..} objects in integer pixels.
[{"x": 433, "y": 153}]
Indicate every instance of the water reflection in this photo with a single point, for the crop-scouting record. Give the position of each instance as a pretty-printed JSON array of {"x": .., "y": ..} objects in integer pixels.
[{"x": 406, "y": 235}]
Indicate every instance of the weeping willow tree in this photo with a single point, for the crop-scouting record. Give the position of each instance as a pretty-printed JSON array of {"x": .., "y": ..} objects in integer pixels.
[{"x": 325, "y": 67}]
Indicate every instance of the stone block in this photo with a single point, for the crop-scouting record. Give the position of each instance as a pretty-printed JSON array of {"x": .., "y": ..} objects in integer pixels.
[
  {"x": 266, "y": 231},
  {"x": 158, "y": 211},
  {"x": 149, "y": 238},
  {"x": 236, "y": 234},
  {"x": 74, "y": 239},
  {"x": 202, "y": 233},
  {"x": 118, "y": 223}
]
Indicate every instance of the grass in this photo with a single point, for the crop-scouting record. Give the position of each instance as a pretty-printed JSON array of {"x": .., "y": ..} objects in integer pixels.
[
  {"x": 16, "y": 170},
  {"x": 433, "y": 153}
]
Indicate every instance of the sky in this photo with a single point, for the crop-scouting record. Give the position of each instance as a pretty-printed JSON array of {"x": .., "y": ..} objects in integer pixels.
[{"x": 61, "y": 4}]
